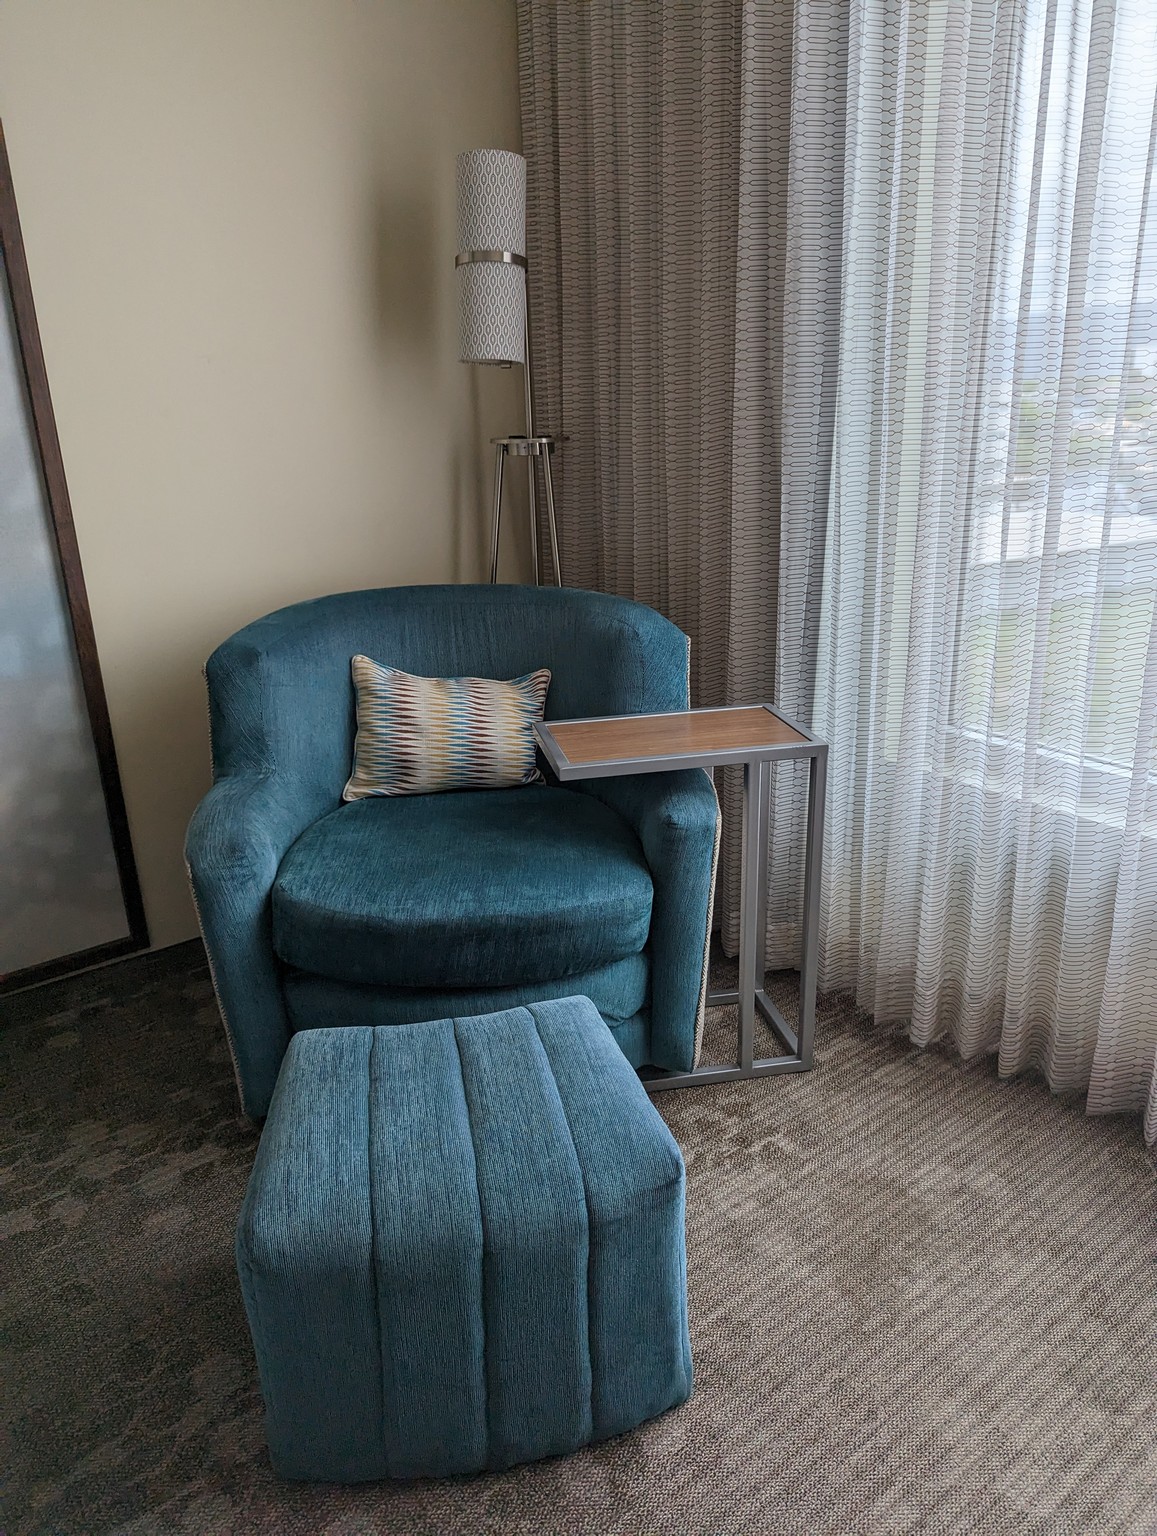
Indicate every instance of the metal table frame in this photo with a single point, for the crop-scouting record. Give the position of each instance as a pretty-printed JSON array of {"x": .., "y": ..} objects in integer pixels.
[{"x": 750, "y": 995}]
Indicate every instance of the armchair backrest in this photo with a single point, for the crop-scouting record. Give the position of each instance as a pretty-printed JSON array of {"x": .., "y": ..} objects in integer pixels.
[{"x": 281, "y": 698}]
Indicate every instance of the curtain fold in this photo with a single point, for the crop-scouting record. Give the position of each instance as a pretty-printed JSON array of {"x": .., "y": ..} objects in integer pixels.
[
  {"x": 849, "y": 314},
  {"x": 647, "y": 238},
  {"x": 813, "y": 224}
]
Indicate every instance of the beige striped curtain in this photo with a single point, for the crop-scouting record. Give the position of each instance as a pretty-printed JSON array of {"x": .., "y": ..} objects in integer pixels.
[
  {"x": 645, "y": 248},
  {"x": 849, "y": 311}
]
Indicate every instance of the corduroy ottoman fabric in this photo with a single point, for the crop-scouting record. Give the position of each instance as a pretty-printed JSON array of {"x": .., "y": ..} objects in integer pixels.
[{"x": 462, "y": 1247}]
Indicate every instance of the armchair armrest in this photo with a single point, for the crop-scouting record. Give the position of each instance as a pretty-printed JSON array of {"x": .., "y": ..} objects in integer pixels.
[
  {"x": 676, "y": 818},
  {"x": 236, "y": 840}
]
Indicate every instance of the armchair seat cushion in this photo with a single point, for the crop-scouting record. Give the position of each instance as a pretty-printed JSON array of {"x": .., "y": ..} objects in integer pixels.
[{"x": 477, "y": 888}]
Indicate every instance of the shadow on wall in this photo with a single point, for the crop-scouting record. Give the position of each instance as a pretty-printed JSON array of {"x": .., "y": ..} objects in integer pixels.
[
  {"x": 409, "y": 266},
  {"x": 404, "y": 279},
  {"x": 170, "y": 715},
  {"x": 472, "y": 489},
  {"x": 402, "y": 272}
]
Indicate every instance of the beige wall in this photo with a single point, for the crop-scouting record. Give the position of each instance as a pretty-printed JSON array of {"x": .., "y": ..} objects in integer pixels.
[{"x": 239, "y": 218}]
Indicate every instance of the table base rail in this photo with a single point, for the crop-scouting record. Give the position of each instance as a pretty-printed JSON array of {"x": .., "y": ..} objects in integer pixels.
[{"x": 654, "y": 1079}]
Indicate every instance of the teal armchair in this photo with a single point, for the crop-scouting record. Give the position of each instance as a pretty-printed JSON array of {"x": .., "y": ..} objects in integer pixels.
[{"x": 317, "y": 913}]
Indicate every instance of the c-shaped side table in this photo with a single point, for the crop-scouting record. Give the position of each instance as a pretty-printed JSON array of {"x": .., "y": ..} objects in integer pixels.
[{"x": 756, "y": 735}]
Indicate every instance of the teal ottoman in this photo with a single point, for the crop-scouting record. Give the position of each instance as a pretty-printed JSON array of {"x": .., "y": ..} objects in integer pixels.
[{"x": 462, "y": 1247}]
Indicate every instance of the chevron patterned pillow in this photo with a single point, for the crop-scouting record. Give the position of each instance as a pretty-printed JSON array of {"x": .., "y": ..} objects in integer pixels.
[{"x": 421, "y": 735}]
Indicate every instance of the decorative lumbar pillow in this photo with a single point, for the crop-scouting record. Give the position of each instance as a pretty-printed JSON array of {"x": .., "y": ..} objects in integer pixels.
[{"x": 420, "y": 735}]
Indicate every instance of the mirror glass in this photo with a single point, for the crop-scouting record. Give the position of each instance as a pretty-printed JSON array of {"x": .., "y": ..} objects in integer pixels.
[{"x": 60, "y": 890}]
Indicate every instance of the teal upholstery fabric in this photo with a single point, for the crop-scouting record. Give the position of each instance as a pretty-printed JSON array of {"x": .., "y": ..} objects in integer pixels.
[
  {"x": 561, "y": 876},
  {"x": 619, "y": 991},
  {"x": 462, "y": 1247},
  {"x": 282, "y": 715},
  {"x": 674, "y": 817},
  {"x": 316, "y": 1002}
]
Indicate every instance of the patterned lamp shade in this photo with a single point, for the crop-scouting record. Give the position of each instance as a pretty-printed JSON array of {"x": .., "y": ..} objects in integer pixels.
[{"x": 491, "y": 292}]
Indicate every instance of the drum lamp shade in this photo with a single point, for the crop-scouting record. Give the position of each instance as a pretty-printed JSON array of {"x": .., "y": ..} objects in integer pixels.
[{"x": 491, "y": 290}]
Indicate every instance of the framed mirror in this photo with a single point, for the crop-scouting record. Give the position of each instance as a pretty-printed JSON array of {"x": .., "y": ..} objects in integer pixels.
[{"x": 69, "y": 893}]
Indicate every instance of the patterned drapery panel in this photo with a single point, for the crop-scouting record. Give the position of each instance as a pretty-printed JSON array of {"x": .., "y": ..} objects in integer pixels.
[{"x": 645, "y": 250}]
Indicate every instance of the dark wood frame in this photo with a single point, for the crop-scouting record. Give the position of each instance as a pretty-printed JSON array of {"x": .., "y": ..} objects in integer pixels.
[{"x": 68, "y": 555}]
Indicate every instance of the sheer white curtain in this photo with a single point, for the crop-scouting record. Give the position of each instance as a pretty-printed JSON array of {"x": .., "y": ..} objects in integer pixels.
[{"x": 986, "y": 661}]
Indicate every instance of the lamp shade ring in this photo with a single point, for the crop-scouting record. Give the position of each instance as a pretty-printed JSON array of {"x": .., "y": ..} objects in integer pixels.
[{"x": 510, "y": 258}]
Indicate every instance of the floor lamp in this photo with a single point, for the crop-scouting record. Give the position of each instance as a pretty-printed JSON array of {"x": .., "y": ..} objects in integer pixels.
[{"x": 493, "y": 316}]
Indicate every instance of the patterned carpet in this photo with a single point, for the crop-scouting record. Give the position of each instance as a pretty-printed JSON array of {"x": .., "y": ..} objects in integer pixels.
[{"x": 922, "y": 1300}]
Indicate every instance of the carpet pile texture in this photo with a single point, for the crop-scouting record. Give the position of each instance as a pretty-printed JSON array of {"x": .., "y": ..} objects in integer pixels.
[{"x": 921, "y": 1300}]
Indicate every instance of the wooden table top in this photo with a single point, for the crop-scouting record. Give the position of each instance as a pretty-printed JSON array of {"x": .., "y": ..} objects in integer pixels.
[{"x": 695, "y": 731}]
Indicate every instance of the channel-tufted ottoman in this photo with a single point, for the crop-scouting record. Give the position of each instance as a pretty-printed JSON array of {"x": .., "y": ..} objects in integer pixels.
[{"x": 462, "y": 1247}]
